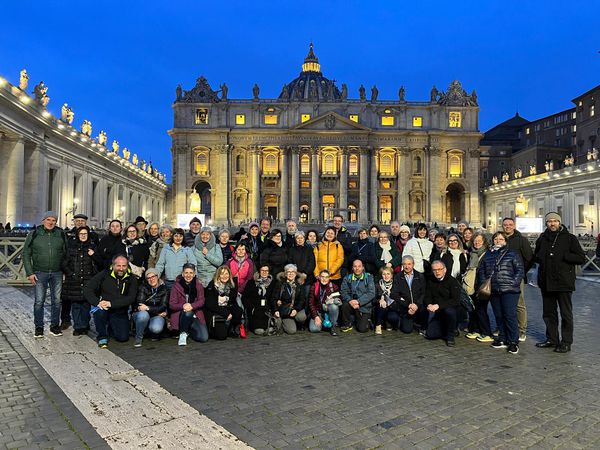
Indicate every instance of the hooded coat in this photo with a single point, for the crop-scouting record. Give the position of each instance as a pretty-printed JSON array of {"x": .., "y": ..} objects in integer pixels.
[
  {"x": 207, "y": 265},
  {"x": 79, "y": 269}
]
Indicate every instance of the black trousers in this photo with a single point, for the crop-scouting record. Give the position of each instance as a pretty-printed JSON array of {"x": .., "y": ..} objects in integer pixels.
[
  {"x": 361, "y": 319},
  {"x": 562, "y": 300},
  {"x": 442, "y": 324}
]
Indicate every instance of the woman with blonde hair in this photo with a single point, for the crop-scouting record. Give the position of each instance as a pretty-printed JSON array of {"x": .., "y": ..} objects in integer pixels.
[{"x": 223, "y": 313}]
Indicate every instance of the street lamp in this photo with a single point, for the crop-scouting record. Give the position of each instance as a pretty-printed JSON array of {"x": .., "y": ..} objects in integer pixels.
[
  {"x": 587, "y": 217},
  {"x": 73, "y": 209},
  {"x": 122, "y": 213}
]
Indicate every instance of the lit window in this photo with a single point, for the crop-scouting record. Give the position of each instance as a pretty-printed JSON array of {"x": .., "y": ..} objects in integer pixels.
[
  {"x": 455, "y": 166},
  {"x": 329, "y": 163},
  {"x": 270, "y": 164},
  {"x": 574, "y": 115},
  {"x": 454, "y": 119},
  {"x": 270, "y": 119},
  {"x": 386, "y": 165},
  {"x": 354, "y": 117},
  {"x": 417, "y": 121},
  {"x": 201, "y": 116},
  {"x": 305, "y": 117},
  {"x": 201, "y": 164},
  {"x": 305, "y": 164},
  {"x": 305, "y": 184},
  {"x": 386, "y": 185},
  {"x": 352, "y": 185},
  {"x": 387, "y": 121},
  {"x": 240, "y": 119},
  {"x": 592, "y": 112},
  {"x": 527, "y": 130},
  {"x": 353, "y": 165}
]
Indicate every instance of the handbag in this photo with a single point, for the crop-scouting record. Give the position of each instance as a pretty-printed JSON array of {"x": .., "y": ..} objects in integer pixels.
[
  {"x": 426, "y": 262},
  {"x": 466, "y": 301},
  {"x": 485, "y": 290},
  {"x": 468, "y": 282}
]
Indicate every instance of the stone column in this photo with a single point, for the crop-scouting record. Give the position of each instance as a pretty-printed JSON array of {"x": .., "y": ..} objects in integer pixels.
[
  {"x": 315, "y": 198},
  {"x": 363, "y": 210},
  {"x": 36, "y": 184},
  {"x": 222, "y": 194},
  {"x": 472, "y": 176},
  {"x": 343, "y": 201},
  {"x": 373, "y": 199},
  {"x": 15, "y": 181},
  {"x": 254, "y": 182},
  {"x": 182, "y": 152},
  {"x": 435, "y": 195},
  {"x": 403, "y": 183},
  {"x": 295, "y": 200},
  {"x": 285, "y": 185}
]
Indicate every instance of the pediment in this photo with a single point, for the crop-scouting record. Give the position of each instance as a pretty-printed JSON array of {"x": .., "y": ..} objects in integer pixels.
[{"x": 331, "y": 121}]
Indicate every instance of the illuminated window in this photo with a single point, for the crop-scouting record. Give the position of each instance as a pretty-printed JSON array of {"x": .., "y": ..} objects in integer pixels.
[
  {"x": 353, "y": 165},
  {"x": 329, "y": 163},
  {"x": 201, "y": 164},
  {"x": 305, "y": 117},
  {"x": 417, "y": 121},
  {"x": 352, "y": 185},
  {"x": 527, "y": 130},
  {"x": 454, "y": 119},
  {"x": 386, "y": 185},
  {"x": 387, "y": 121},
  {"x": 305, "y": 184},
  {"x": 386, "y": 164},
  {"x": 592, "y": 112},
  {"x": 270, "y": 163},
  {"x": 271, "y": 119},
  {"x": 240, "y": 119},
  {"x": 454, "y": 166},
  {"x": 201, "y": 116},
  {"x": 354, "y": 117},
  {"x": 305, "y": 164}
]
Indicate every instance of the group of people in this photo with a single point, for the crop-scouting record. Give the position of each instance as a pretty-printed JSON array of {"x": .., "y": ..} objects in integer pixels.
[{"x": 196, "y": 284}]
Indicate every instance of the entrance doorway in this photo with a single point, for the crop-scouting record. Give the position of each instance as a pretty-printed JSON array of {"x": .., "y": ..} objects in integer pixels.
[
  {"x": 270, "y": 206},
  {"x": 203, "y": 189},
  {"x": 328, "y": 206},
  {"x": 455, "y": 211},
  {"x": 385, "y": 209},
  {"x": 304, "y": 214}
]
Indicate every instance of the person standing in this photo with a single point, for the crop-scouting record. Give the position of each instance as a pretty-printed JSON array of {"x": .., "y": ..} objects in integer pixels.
[
  {"x": 558, "y": 252},
  {"x": 43, "y": 258},
  {"x": 520, "y": 244},
  {"x": 110, "y": 245},
  {"x": 190, "y": 237}
]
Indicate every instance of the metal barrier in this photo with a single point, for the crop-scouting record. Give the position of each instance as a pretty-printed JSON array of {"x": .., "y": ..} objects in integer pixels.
[{"x": 11, "y": 261}]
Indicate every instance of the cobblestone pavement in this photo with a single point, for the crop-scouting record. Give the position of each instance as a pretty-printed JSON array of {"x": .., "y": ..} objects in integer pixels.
[
  {"x": 393, "y": 391},
  {"x": 34, "y": 412}
]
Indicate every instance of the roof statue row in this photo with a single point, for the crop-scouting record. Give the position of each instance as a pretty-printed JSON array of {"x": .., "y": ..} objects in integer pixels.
[
  {"x": 312, "y": 86},
  {"x": 40, "y": 92}
]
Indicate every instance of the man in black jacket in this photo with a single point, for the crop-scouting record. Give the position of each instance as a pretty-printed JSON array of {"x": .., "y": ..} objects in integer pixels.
[
  {"x": 408, "y": 292},
  {"x": 442, "y": 299},
  {"x": 111, "y": 293},
  {"x": 558, "y": 252},
  {"x": 190, "y": 237},
  {"x": 520, "y": 244}
]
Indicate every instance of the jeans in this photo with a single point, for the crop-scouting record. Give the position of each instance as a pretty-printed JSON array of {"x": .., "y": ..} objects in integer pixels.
[
  {"x": 442, "y": 324},
  {"x": 115, "y": 324},
  {"x": 45, "y": 280},
  {"x": 192, "y": 326},
  {"x": 81, "y": 315},
  {"x": 383, "y": 315},
  {"x": 333, "y": 311},
  {"x": 505, "y": 311},
  {"x": 143, "y": 320}
]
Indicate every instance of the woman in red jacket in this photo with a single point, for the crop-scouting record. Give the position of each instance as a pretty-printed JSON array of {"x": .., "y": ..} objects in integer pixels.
[
  {"x": 186, "y": 303},
  {"x": 322, "y": 301},
  {"x": 241, "y": 266}
]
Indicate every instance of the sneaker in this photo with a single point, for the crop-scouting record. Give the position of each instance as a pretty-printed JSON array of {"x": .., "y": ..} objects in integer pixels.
[
  {"x": 65, "y": 325},
  {"x": 423, "y": 333},
  {"x": 182, "y": 338},
  {"x": 137, "y": 343},
  {"x": 378, "y": 329},
  {"x": 333, "y": 331},
  {"x": 346, "y": 329},
  {"x": 498, "y": 344},
  {"x": 485, "y": 339},
  {"x": 39, "y": 332},
  {"x": 55, "y": 330},
  {"x": 496, "y": 333},
  {"x": 450, "y": 343},
  {"x": 522, "y": 337},
  {"x": 103, "y": 343},
  {"x": 513, "y": 348},
  {"x": 472, "y": 335}
]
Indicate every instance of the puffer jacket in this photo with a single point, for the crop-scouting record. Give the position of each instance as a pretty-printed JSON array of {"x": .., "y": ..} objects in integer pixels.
[
  {"x": 558, "y": 254},
  {"x": 290, "y": 294},
  {"x": 303, "y": 256},
  {"x": 242, "y": 271},
  {"x": 44, "y": 251},
  {"x": 171, "y": 262},
  {"x": 506, "y": 269},
  {"x": 207, "y": 265},
  {"x": 79, "y": 269},
  {"x": 274, "y": 256},
  {"x": 154, "y": 298},
  {"x": 364, "y": 250},
  {"x": 329, "y": 256}
]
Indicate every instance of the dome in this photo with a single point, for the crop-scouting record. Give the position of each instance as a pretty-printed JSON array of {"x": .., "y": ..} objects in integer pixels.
[{"x": 311, "y": 85}]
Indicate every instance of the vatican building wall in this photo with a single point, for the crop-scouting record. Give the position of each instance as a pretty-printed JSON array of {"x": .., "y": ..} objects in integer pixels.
[
  {"x": 49, "y": 164},
  {"x": 314, "y": 151}
]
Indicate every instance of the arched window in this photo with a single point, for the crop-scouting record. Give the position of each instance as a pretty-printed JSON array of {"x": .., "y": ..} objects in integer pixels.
[
  {"x": 239, "y": 163},
  {"x": 328, "y": 163},
  {"x": 454, "y": 166},
  {"x": 305, "y": 164},
  {"x": 386, "y": 164},
  {"x": 270, "y": 165},
  {"x": 201, "y": 164},
  {"x": 417, "y": 165},
  {"x": 353, "y": 165}
]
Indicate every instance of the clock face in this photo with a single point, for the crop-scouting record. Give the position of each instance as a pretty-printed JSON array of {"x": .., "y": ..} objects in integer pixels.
[{"x": 454, "y": 119}]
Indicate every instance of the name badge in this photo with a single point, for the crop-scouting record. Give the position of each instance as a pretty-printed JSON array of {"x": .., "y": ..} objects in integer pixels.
[{"x": 263, "y": 302}]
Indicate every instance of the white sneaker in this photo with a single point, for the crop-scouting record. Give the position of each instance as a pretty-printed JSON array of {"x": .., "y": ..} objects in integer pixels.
[
  {"x": 183, "y": 338},
  {"x": 522, "y": 337},
  {"x": 378, "y": 329}
]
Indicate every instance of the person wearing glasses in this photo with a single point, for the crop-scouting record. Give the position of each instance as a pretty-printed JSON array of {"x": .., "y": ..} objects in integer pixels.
[
  {"x": 256, "y": 300},
  {"x": 457, "y": 264},
  {"x": 442, "y": 299},
  {"x": 324, "y": 299},
  {"x": 137, "y": 250},
  {"x": 151, "y": 310},
  {"x": 408, "y": 295}
]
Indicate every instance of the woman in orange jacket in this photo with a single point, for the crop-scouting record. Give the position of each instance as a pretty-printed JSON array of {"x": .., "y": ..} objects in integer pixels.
[{"x": 329, "y": 255}]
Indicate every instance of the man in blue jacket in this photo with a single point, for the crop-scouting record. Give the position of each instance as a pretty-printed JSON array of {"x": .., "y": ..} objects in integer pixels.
[{"x": 358, "y": 293}]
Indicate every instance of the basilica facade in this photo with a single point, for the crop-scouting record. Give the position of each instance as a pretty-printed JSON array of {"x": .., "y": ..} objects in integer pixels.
[{"x": 314, "y": 151}]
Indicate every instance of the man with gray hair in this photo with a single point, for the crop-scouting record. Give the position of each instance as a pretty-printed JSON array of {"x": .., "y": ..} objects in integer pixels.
[
  {"x": 442, "y": 299},
  {"x": 43, "y": 258},
  {"x": 290, "y": 235},
  {"x": 408, "y": 293}
]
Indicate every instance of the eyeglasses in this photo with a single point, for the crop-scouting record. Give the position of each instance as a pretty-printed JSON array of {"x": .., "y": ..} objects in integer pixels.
[
  {"x": 149, "y": 277},
  {"x": 452, "y": 240},
  {"x": 438, "y": 270}
]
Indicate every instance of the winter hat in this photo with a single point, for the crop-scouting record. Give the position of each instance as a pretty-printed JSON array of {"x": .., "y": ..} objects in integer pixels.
[
  {"x": 195, "y": 220},
  {"x": 464, "y": 222},
  {"x": 253, "y": 224},
  {"x": 139, "y": 219},
  {"x": 203, "y": 229},
  {"x": 48, "y": 214},
  {"x": 404, "y": 228},
  {"x": 553, "y": 216},
  {"x": 152, "y": 271}
]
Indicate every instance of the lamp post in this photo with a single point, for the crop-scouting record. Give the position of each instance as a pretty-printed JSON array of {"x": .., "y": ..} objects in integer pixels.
[
  {"x": 122, "y": 213},
  {"x": 73, "y": 209},
  {"x": 587, "y": 217}
]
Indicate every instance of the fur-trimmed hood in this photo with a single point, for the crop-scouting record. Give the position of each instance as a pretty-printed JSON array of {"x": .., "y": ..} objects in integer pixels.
[{"x": 300, "y": 278}]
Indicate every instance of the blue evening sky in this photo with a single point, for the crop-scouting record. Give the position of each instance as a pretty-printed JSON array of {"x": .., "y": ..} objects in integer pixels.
[{"x": 118, "y": 63}]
